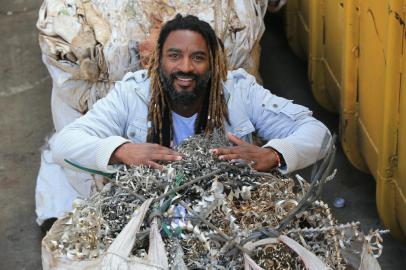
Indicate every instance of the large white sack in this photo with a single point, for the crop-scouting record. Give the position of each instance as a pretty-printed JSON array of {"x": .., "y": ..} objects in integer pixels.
[
  {"x": 113, "y": 33},
  {"x": 57, "y": 187},
  {"x": 118, "y": 256},
  {"x": 52, "y": 177}
]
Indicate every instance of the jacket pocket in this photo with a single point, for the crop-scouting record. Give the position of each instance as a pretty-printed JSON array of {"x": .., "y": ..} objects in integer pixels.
[
  {"x": 281, "y": 105},
  {"x": 137, "y": 131},
  {"x": 275, "y": 104},
  {"x": 295, "y": 111}
]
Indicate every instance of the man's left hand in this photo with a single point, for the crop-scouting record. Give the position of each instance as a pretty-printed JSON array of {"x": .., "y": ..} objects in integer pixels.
[{"x": 263, "y": 159}]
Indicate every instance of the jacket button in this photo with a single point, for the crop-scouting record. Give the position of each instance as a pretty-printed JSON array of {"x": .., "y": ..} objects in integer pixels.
[
  {"x": 132, "y": 134},
  {"x": 275, "y": 105}
]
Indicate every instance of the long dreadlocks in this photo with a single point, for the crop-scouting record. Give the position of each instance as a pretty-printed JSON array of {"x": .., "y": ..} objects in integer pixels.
[{"x": 214, "y": 110}]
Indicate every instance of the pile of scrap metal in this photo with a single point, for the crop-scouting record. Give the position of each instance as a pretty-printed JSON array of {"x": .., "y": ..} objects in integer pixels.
[{"x": 203, "y": 213}]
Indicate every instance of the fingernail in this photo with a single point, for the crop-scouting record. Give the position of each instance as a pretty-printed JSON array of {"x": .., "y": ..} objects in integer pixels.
[
  {"x": 221, "y": 157},
  {"x": 179, "y": 158}
]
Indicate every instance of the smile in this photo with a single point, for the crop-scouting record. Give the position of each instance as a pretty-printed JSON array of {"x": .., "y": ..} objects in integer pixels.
[{"x": 184, "y": 79}]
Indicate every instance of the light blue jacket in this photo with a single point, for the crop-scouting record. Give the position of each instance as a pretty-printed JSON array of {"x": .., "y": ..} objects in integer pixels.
[{"x": 122, "y": 116}]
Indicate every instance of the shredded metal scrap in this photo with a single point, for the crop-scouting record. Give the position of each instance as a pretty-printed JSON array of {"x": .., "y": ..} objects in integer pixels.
[{"x": 209, "y": 209}]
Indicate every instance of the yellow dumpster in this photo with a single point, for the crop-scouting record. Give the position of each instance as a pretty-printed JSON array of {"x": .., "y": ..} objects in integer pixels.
[
  {"x": 331, "y": 60},
  {"x": 349, "y": 105},
  {"x": 357, "y": 66},
  {"x": 400, "y": 176},
  {"x": 297, "y": 27},
  {"x": 389, "y": 30},
  {"x": 326, "y": 31},
  {"x": 313, "y": 31}
]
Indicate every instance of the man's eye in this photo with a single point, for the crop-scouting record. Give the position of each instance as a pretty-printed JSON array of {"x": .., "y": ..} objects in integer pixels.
[
  {"x": 198, "y": 58},
  {"x": 173, "y": 56}
]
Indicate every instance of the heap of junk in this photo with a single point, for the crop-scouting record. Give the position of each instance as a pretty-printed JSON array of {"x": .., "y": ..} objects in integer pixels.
[{"x": 204, "y": 213}]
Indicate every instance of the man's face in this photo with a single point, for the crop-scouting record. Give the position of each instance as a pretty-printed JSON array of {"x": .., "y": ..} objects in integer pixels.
[{"x": 185, "y": 67}]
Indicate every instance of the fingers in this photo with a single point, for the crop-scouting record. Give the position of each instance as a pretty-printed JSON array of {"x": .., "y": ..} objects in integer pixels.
[
  {"x": 234, "y": 139},
  {"x": 163, "y": 153},
  {"x": 164, "y": 150},
  {"x": 228, "y": 150},
  {"x": 229, "y": 157},
  {"x": 222, "y": 151},
  {"x": 154, "y": 165},
  {"x": 166, "y": 157},
  {"x": 234, "y": 153}
]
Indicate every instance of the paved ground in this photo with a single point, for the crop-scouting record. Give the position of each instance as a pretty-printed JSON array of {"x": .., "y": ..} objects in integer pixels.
[{"x": 25, "y": 120}]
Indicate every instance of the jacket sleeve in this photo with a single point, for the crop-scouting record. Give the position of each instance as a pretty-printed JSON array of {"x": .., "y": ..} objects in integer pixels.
[
  {"x": 90, "y": 140},
  {"x": 287, "y": 127}
]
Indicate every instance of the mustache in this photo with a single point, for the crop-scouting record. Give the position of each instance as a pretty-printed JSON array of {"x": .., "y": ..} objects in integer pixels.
[{"x": 190, "y": 75}]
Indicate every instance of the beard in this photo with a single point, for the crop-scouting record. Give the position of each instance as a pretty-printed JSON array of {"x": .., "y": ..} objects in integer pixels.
[{"x": 184, "y": 97}]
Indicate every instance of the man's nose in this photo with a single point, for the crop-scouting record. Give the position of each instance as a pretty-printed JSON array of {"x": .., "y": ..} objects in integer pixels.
[{"x": 186, "y": 65}]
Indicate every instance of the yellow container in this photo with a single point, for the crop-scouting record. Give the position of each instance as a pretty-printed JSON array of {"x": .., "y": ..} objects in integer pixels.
[
  {"x": 326, "y": 47},
  {"x": 357, "y": 67},
  {"x": 400, "y": 159},
  {"x": 323, "y": 29},
  {"x": 349, "y": 126},
  {"x": 391, "y": 149},
  {"x": 373, "y": 104},
  {"x": 297, "y": 27},
  {"x": 372, "y": 101}
]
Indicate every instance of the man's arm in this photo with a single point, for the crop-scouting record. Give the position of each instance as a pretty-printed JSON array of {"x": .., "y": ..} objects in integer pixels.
[
  {"x": 98, "y": 138},
  {"x": 91, "y": 139},
  {"x": 287, "y": 128}
]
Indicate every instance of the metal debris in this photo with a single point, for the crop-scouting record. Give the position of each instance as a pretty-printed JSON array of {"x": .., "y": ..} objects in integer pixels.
[{"x": 208, "y": 209}]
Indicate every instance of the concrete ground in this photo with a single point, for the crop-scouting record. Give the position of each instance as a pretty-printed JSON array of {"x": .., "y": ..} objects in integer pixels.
[{"x": 25, "y": 120}]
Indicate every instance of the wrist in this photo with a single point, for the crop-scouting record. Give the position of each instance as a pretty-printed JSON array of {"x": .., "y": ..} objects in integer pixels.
[
  {"x": 118, "y": 153},
  {"x": 279, "y": 160}
]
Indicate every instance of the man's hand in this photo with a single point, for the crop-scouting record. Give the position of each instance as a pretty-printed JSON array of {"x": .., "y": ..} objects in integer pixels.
[
  {"x": 143, "y": 154},
  {"x": 264, "y": 159}
]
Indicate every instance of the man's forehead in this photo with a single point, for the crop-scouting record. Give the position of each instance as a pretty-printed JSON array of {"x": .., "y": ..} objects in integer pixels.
[{"x": 181, "y": 40}]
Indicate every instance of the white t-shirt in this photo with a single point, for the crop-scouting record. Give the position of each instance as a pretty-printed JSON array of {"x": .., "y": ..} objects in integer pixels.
[{"x": 183, "y": 127}]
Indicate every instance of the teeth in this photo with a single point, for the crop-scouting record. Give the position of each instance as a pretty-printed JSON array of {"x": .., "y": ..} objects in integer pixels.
[{"x": 184, "y": 79}]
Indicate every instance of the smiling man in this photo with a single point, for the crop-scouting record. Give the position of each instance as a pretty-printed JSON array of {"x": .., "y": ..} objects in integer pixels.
[{"x": 187, "y": 90}]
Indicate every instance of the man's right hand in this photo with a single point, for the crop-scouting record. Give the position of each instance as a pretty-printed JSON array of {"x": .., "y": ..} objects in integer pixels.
[{"x": 143, "y": 154}]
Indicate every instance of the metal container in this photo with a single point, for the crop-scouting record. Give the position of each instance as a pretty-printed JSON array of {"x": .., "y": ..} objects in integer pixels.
[{"x": 357, "y": 67}]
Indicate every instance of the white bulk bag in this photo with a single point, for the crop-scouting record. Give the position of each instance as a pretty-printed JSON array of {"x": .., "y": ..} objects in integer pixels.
[{"x": 117, "y": 257}]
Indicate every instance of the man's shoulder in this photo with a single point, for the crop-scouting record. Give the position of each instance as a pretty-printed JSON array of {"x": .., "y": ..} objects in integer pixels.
[
  {"x": 238, "y": 75},
  {"x": 238, "y": 80},
  {"x": 135, "y": 85},
  {"x": 138, "y": 76}
]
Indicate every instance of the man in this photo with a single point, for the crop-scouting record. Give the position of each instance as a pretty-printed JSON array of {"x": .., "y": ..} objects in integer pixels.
[
  {"x": 187, "y": 90},
  {"x": 85, "y": 57}
]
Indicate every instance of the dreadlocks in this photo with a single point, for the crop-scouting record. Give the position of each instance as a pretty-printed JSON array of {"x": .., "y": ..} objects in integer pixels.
[{"x": 214, "y": 110}]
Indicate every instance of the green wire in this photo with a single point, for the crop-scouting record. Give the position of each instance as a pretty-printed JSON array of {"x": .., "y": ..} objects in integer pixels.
[{"x": 108, "y": 175}]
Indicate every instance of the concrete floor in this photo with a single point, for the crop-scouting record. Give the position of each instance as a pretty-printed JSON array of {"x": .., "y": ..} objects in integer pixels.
[{"x": 25, "y": 120}]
